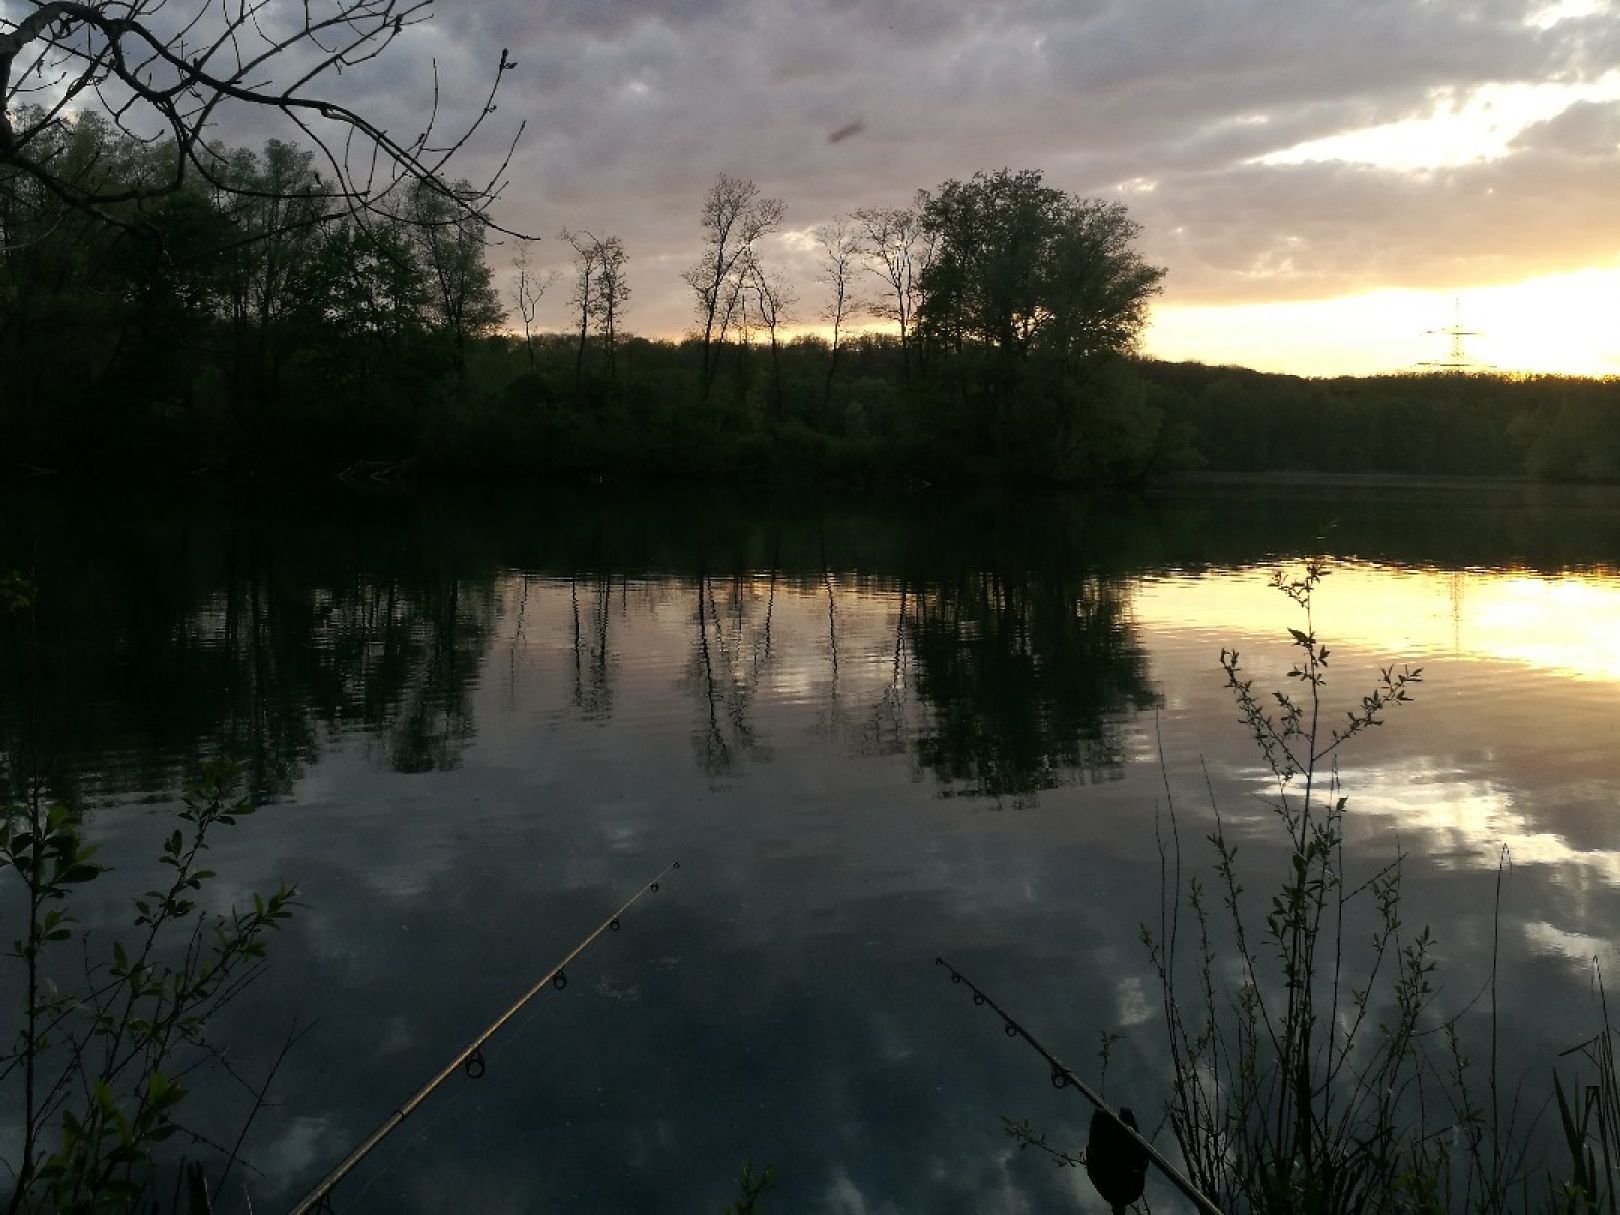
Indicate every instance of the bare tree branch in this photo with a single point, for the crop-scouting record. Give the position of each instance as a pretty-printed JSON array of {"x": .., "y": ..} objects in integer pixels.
[
  {"x": 734, "y": 217},
  {"x": 163, "y": 82}
]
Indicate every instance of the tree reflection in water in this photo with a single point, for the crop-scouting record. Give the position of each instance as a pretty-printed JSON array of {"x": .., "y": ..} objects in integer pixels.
[
  {"x": 266, "y": 633},
  {"x": 294, "y": 658},
  {"x": 994, "y": 652},
  {"x": 887, "y": 727},
  {"x": 163, "y": 636},
  {"x": 422, "y": 709},
  {"x": 593, "y": 660},
  {"x": 730, "y": 651},
  {"x": 1027, "y": 679}
]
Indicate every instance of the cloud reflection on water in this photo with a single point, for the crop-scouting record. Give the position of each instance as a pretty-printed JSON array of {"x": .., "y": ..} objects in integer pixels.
[{"x": 781, "y": 1003}]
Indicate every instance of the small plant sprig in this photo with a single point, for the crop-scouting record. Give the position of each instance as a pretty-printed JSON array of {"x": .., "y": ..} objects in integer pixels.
[
  {"x": 105, "y": 1062},
  {"x": 16, "y": 594},
  {"x": 1591, "y": 1188},
  {"x": 1289, "y": 734},
  {"x": 753, "y": 1186},
  {"x": 1291, "y": 1083},
  {"x": 1027, "y": 1135}
]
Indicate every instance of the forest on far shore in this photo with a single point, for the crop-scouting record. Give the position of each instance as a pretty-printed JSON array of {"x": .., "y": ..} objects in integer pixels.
[
  {"x": 1544, "y": 427},
  {"x": 519, "y": 411},
  {"x": 986, "y": 334}
]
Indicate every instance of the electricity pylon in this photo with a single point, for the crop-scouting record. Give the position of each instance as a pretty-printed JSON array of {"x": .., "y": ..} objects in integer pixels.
[{"x": 1457, "y": 360}]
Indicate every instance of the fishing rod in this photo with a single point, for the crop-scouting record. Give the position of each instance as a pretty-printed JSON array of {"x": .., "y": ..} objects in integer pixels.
[
  {"x": 470, "y": 1056},
  {"x": 1062, "y": 1077}
]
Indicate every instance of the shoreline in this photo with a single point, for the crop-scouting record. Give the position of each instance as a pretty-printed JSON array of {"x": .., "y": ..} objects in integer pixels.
[{"x": 1406, "y": 482}]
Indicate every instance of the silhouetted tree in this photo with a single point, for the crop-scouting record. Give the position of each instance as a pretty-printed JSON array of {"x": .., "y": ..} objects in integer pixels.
[
  {"x": 581, "y": 301},
  {"x": 200, "y": 268},
  {"x": 840, "y": 247},
  {"x": 527, "y": 288},
  {"x": 1031, "y": 299},
  {"x": 451, "y": 238},
  {"x": 272, "y": 207},
  {"x": 1025, "y": 269},
  {"x": 358, "y": 300},
  {"x": 612, "y": 295},
  {"x": 900, "y": 248},
  {"x": 734, "y": 217},
  {"x": 601, "y": 291},
  {"x": 774, "y": 299}
]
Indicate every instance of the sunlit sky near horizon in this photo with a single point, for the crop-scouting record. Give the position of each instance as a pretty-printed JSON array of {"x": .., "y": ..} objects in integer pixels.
[{"x": 1323, "y": 180}]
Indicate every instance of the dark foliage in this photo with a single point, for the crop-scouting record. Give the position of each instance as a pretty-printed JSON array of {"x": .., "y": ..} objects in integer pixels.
[
  {"x": 242, "y": 328},
  {"x": 1553, "y": 428}
]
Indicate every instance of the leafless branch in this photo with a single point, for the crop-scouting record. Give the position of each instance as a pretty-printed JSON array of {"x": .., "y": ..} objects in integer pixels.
[{"x": 162, "y": 79}]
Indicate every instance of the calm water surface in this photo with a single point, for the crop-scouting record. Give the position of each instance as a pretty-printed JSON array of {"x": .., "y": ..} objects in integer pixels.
[{"x": 871, "y": 733}]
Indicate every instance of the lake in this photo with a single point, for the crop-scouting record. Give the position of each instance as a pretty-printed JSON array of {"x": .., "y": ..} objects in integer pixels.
[{"x": 872, "y": 731}]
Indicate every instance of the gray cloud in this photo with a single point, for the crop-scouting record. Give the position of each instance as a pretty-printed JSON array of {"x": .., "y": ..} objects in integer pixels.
[
  {"x": 1585, "y": 130},
  {"x": 1267, "y": 232},
  {"x": 633, "y": 107}
]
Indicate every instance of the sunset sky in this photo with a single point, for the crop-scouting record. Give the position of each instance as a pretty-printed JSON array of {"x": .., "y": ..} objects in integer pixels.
[{"x": 1323, "y": 180}]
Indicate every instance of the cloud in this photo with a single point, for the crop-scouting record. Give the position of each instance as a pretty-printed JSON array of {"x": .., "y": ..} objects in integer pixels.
[
  {"x": 633, "y": 107},
  {"x": 1585, "y": 130},
  {"x": 1306, "y": 231}
]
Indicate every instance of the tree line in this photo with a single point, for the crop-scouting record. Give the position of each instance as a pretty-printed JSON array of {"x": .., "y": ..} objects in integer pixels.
[
  {"x": 237, "y": 321},
  {"x": 240, "y": 323},
  {"x": 1542, "y": 427}
]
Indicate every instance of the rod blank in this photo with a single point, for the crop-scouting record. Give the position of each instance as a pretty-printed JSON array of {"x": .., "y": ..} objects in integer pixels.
[
  {"x": 1063, "y": 1077},
  {"x": 317, "y": 1197}
]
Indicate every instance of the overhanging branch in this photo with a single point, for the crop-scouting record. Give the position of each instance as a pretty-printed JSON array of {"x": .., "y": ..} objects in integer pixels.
[{"x": 69, "y": 49}]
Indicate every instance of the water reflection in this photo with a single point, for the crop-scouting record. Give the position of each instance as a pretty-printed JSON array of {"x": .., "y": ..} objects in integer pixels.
[
  {"x": 730, "y": 648},
  {"x": 250, "y": 635},
  {"x": 245, "y": 636},
  {"x": 488, "y": 719},
  {"x": 1026, "y": 678},
  {"x": 593, "y": 658},
  {"x": 424, "y": 663},
  {"x": 1566, "y": 622},
  {"x": 1010, "y": 653},
  {"x": 1517, "y": 745},
  {"x": 887, "y": 728}
]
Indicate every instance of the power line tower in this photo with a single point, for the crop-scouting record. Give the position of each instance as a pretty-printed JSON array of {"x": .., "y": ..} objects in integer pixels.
[{"x": 1457, "y": 359}]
